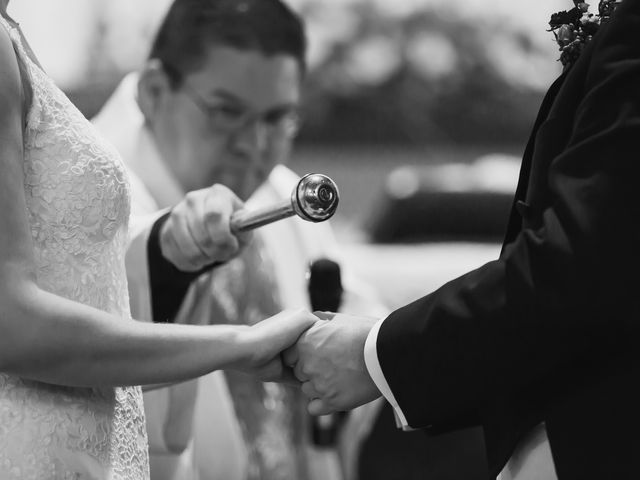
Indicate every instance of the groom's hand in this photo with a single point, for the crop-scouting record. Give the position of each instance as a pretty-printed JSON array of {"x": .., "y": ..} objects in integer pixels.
[
  {"x": 329, "y": 361},
  {"x": 197, "y": 232}
]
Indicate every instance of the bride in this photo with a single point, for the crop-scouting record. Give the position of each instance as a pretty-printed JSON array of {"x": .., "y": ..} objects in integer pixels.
[{"x": 70, "y": 355}]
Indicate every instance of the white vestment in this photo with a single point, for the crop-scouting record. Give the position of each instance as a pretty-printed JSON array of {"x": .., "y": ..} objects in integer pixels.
[{"x": 214, "y": 447}]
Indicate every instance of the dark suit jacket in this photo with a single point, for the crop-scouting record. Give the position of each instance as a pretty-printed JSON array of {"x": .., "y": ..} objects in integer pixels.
[{"x": 549, "y": 331}]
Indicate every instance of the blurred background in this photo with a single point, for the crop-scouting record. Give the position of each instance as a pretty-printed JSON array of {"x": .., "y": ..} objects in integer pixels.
[{"x": 419, "y": 109}]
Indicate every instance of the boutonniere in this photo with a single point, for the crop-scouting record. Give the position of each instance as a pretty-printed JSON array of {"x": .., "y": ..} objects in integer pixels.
[{"x": 575, "y": 28}]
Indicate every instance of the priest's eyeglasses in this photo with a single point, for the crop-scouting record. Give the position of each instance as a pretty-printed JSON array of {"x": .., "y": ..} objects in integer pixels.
[{"x": 227, "y": 117}]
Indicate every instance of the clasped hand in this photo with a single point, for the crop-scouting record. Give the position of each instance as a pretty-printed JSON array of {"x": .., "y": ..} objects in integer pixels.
[
  {"x": 328, "y": 360},
  {"x": 322, "y": 352}
]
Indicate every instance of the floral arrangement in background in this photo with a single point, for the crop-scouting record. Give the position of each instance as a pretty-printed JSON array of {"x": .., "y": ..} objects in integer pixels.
[
  {"x": 574, "y": 28},
  {"x": 409, "y": 77}
]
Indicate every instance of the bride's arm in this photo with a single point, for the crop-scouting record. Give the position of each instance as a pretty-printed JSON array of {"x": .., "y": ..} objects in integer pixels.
[{"x": 52, "y": 339}]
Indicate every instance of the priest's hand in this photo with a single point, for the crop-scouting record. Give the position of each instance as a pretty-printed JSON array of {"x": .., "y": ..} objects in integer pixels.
[{"x": 197, "y": 232}]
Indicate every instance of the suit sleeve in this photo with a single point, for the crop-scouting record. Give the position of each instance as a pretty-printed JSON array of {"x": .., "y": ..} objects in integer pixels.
[{"x": 562, "y": 300}]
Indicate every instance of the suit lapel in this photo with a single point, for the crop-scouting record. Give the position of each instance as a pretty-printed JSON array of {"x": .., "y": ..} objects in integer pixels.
[{"x": 513, "y": 227}]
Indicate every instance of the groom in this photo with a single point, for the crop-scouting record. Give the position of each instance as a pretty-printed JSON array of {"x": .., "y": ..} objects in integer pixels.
[{"x": 538, "y": 347}]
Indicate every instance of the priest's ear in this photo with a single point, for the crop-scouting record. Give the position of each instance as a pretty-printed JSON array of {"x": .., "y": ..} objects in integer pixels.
[{"x": 153, "y": 88}]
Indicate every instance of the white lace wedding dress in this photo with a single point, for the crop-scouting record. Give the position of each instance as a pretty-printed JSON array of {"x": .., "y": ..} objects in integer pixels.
[{"x": 78, "y": 207}]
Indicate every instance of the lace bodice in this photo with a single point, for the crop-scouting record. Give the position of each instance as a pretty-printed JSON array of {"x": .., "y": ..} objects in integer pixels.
[{"x": 78, "y": 207}]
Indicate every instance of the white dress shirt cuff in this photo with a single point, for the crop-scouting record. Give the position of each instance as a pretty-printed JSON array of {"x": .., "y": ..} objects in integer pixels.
[{"x": 375, "y": 372}]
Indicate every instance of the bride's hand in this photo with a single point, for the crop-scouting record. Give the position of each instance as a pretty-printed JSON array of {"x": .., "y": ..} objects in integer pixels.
[{"x": 265, "y": 341}]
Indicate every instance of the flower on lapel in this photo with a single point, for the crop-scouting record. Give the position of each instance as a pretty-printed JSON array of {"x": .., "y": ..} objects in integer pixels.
[{"x": 574, "y": 28}]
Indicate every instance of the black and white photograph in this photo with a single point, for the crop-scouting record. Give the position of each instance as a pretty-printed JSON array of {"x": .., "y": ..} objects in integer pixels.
[{"x": 319, "y": 240}]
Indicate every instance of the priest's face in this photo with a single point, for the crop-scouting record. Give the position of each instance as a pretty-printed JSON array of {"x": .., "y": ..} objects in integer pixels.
[{"x": 231, "y": 121}]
